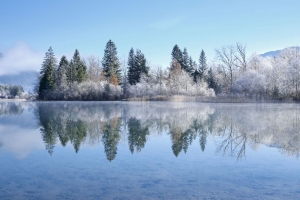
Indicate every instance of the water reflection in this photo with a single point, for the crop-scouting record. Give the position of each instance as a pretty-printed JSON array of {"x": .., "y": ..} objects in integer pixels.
[
  {"x": 7, "y": 108},
  {"x": 232, "y": 128},
  {"x": 137, "y": 135}
]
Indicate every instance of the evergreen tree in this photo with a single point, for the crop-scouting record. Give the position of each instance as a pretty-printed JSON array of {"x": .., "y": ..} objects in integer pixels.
[
  {"x": 177, "y": 54},
  {"x": 131, "y": 67},
  {"x": 47, "y": 74},
  {"x": 111, "y": 64},
  {"x": 61, "y": 73},
  {"x": 140, "y": 65},
  {"x": 137, "y": 66},
  {"x": 202, "y": 65},
  {"x": 186, "y": 62},
  {"x": 71, "y": 73},
  {"x": 79, "y": 68},
  {"x": 211, "y": 81},
  {"x": 195, "y": 73}
]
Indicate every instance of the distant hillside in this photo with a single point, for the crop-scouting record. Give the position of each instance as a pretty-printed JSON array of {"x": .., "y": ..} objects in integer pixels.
[
  {"x": 275, "y": 53},
  {"x": 271, "y": 53},
  {"x": 26, "y": 79}
]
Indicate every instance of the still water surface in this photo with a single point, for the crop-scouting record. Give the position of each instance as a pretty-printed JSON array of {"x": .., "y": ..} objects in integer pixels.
[{"x": 149, "y": 150}]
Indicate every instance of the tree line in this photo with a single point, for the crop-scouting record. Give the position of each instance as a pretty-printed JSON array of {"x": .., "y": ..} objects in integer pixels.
[
  {"x": 11, "y": 91},
  {"x": 230, "y": 74},
  {"x": 80, "y": 79}
]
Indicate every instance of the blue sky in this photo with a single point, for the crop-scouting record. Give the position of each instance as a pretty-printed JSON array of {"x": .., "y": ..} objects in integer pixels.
[{"x": 152, "y": 26}]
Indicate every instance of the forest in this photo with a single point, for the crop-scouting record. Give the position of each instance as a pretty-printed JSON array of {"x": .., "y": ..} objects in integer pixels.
[{"x": 232, "y": 74}]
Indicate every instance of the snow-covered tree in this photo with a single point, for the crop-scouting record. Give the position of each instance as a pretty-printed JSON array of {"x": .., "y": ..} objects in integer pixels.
[
  {"x": 186, "y": 62},
  {"x": 250, "y": 84},
  {"x": 61, "y": 74},
  {"x": 94, "y": 71}
]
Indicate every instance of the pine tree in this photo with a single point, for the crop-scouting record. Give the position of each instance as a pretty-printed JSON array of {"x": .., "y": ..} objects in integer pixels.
[
  {"x": 47, "y": 74},
  {"x": 61, "y": 73},
  {"x": 80, "y": 68},
  {"x": 186, "y": 61},
  {"x": 140, "y": 65},
  {"x": 212, "y": 83},
  {"x": 110, "y": 62},
  {"x": 202, "y": 65},
  {"x": 71, "y": 73},
  {"x": 137, "y": 66},
  {"x": 177, "y": 54},
  {"x": 131, "y": 67},
  {"x": 195, "y": 73}
]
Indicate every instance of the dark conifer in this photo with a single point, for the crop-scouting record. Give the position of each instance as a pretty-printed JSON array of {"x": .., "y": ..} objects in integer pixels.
[
  {"x": 202, "y": 65},
  {"x": 131, "y": 67},
  {"x": 140, "y": 65},
  {"x": 177, "y": 54},
  {"x": 111, "y": 64},
  {"x": 47, "y": 74},
  {"x": 211, "y": 81},
  {"x": 79, "y": 68},
  {"x": 195, "y": 73},
  {"x": 186, "y": 62},
  {"x": 137, "y": 66}
]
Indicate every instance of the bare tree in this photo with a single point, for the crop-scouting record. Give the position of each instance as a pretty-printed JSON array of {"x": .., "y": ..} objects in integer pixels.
[
  {"x": 94, "y": 70},
  {"x": 226, "y": 56},
  {"x": 240, "y": 57},
  {"x": 231, "y": 58}
]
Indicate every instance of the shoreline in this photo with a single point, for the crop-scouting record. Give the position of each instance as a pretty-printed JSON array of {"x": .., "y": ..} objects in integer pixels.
[
  {"x": 13, "y": 100},
  {"x": 167, "y": 99}
]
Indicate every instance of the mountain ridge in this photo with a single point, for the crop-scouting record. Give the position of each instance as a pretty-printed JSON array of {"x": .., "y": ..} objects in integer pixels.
[
  {"x": 26, "y": 79},
  {"x": 276, "y": 52}
]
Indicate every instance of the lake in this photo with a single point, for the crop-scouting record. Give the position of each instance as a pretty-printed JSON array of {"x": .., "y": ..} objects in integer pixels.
[{"x": 149, "y": 150}]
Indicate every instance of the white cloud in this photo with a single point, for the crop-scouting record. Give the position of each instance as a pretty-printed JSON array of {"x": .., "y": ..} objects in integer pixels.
[
  {"x": 20, "y": 58},
  {"x": 19, "y": 141}
]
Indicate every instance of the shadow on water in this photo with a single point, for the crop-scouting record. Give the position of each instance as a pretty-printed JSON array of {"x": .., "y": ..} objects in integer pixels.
[{"x": 232, "y": 128}]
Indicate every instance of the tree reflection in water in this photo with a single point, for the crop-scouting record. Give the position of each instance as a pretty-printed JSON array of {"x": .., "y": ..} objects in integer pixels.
[
  {"x": 233, "y": 128},
  {"x": 137, "y": 135},
  {"x": 111, "y": 138},
  {"x": 10, "y": 108}
]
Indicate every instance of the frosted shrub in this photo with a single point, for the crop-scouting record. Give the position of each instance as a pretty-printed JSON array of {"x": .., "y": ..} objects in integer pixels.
[{"x": 251, "y": 83}]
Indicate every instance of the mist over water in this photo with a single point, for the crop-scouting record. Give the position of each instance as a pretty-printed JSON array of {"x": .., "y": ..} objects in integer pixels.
[{"x": 149, "y": 150}]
